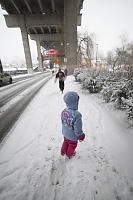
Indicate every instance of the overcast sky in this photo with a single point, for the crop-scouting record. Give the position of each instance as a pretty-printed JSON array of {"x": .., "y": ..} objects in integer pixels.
[{"x": 107, "y": 19}]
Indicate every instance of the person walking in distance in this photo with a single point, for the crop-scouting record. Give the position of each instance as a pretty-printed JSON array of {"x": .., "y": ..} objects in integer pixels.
[
  {"x": 61, "y": 76},
  {"x": 71, "y": 124},
  {"x": 65, "y": 72}
]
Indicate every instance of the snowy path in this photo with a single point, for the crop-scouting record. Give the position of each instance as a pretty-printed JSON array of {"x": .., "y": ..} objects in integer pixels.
[{"x": 31, "y": 167}]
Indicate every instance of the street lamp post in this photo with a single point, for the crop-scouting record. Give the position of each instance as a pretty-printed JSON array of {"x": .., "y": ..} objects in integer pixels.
[
  {"x": 96, "y": 54},
  {"x": 1, "y": 68}
]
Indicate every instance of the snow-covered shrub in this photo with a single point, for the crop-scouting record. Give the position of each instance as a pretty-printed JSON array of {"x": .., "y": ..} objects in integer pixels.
[
  {"x": 99, "y": 85},
  {"x": 92, "y": 85},
  {"x": 88, "y": 83},
  {"x": 119, "y": 93},
  {"x": 80, "y": 77},
  {"x": 129, "y": 109},
  {"x": 129, "y": 113},
  {"x": 130, "y": 94},
  {"x": 107, "y": 93},
  {"x": 119, "y": 104},
  {"x": 89, "y": 80},
  {"x": 113, "y": 87},
  {"x": 129, "y": 84},
  {"x": 76, "y": 72}
]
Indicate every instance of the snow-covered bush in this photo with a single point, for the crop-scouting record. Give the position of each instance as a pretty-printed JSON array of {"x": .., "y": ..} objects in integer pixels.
[
  {"x": 113, "y": 87},
  {"x": 118, "y": 93},
  {"x": 89, "y": 80},
  {"x": 129, "y": 110},
  {"x": 129, "y": 113},
  {"x": 80, "y": 77},
  {"x": 107, "y": 93},
  {"x": 76, "y": 72},
  {"x": 119, "y": 104},
  {"x": 88, "y": 83},
  {"x": 129, "y": 84}
]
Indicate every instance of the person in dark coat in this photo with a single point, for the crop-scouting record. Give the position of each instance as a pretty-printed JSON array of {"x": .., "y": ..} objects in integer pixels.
[
  {"x": 66, "y": 72},
  {"x": 61, "y": 76}
]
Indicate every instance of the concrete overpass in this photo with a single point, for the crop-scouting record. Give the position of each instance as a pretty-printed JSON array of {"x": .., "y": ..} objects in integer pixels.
[{"x": 51, "y": 23}]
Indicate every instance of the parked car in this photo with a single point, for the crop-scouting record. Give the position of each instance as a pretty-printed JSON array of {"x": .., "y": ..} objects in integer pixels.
[{"x": 5, "y": 78}]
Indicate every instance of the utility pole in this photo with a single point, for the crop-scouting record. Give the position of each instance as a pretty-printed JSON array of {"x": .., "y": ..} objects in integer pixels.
[
  {"x": 96, "y": 54},
  {"x": 1, "y": 68}
]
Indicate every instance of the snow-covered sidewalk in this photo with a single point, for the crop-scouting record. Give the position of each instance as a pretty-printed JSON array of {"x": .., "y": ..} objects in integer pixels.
[{"x": 31, "y": 167}]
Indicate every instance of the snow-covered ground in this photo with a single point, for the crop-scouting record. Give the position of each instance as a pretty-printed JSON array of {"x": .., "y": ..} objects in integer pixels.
[
  {"x": 14, "y": 77},
  {"x": 31, "y": 167}
]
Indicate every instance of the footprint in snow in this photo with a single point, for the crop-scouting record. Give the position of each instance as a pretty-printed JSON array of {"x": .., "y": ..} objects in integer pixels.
[
  {"x": 47, "y": 159},
  {"x": 52, "y": 138},
  {"x": 115, "y": 170},
  {"x": 117, "y": 197},
  {"x": 131, "y": 189},
  {"x": 49, "y": 148}
]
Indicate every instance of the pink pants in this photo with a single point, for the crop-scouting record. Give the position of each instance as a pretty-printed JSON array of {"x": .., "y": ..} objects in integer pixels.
[{"x": 68, "y": 147}]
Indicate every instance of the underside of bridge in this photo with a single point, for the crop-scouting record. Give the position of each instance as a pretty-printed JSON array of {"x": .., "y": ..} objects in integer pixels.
[{"x": 51, "y": 23}]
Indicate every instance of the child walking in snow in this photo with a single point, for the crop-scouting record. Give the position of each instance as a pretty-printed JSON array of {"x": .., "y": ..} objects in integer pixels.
[{"x": 71, "y": 124}]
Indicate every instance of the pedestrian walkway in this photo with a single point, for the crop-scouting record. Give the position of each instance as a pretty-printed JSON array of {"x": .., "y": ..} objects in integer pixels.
[{"x": 31, "y": 167}]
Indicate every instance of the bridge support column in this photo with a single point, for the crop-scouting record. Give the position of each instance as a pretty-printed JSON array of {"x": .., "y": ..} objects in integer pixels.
[
  {"x": 70, "y": 34},
  {"x": 39, "y": 56},
  {"x": 60, "y": 55},
  {"x": 26, "y": 49}
]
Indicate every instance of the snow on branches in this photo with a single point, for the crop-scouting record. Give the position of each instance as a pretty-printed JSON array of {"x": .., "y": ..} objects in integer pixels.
[{"x": 113, "y": 87}]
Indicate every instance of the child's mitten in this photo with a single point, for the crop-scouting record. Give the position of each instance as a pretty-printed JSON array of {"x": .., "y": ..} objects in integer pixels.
[{"x": 81, "y": 137}]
